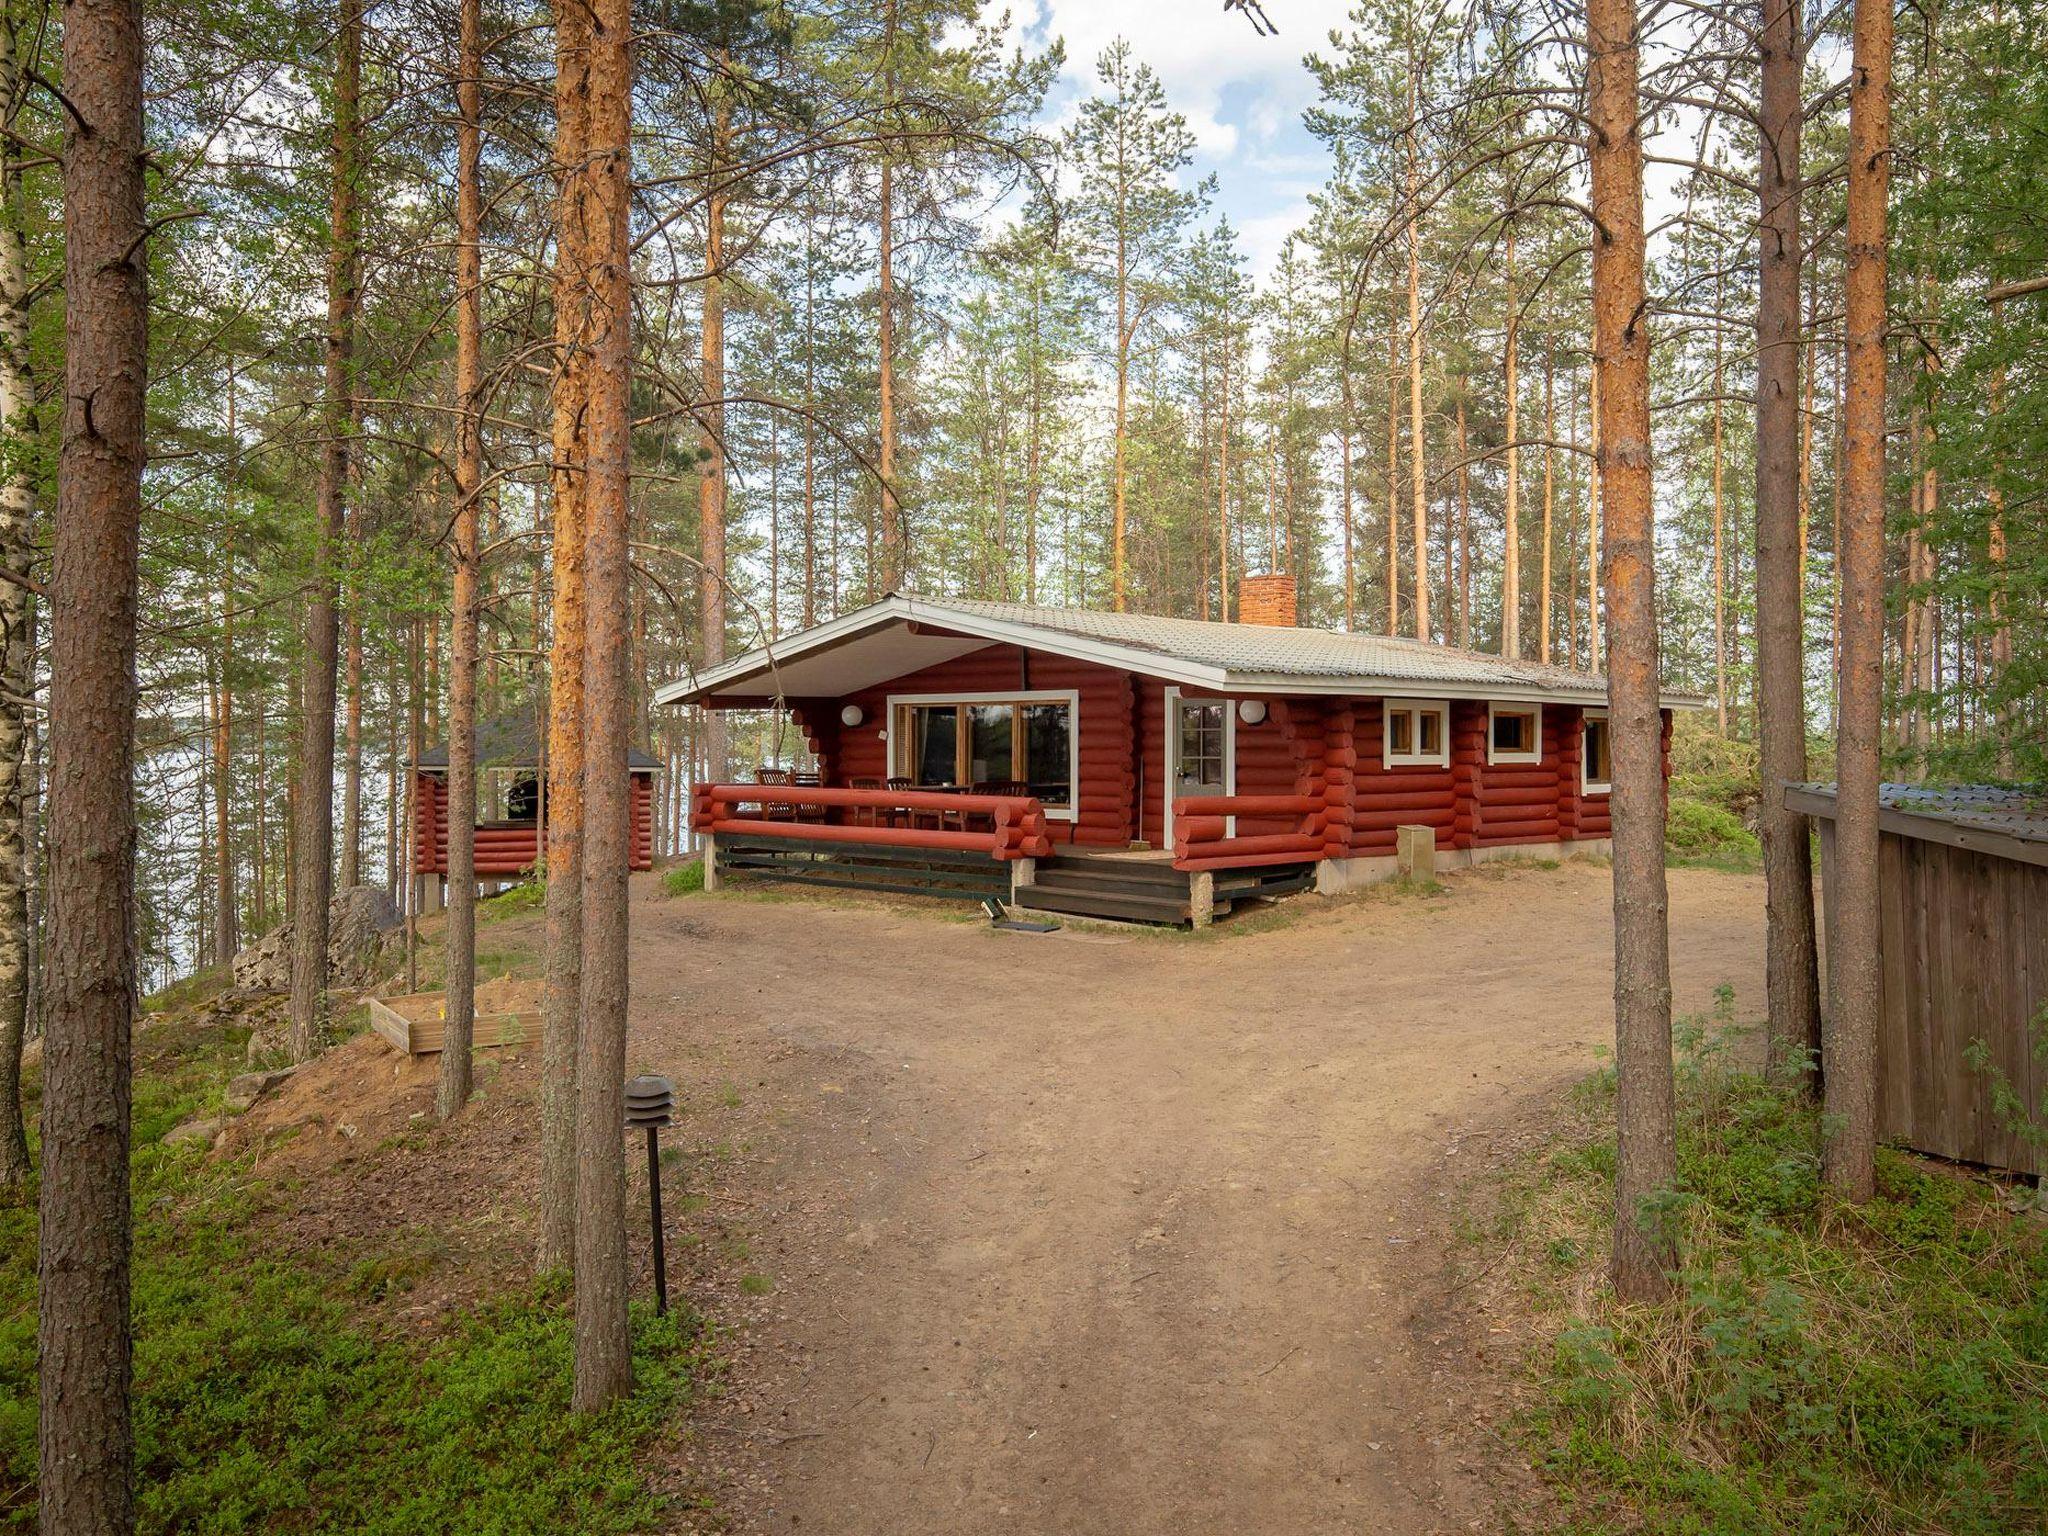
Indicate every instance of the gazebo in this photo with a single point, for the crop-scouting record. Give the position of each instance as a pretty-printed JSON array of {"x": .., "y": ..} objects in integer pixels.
[{"x": 509, "y": 836}]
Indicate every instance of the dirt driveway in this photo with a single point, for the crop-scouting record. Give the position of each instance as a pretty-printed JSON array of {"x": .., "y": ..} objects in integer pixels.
[{"x": 1125, "y": 1234}]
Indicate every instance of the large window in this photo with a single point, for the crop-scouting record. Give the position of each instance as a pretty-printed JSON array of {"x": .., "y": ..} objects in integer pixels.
[
  {"x": 1596, "y": 767},
  {"x": 985, "y": 739},
  {"x": 1514, "y": 733},
  {"x": 1418, "y": 733}
]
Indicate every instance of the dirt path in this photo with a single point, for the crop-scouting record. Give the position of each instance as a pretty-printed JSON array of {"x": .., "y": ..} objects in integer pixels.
[{"x": 1130, "y": 1234}]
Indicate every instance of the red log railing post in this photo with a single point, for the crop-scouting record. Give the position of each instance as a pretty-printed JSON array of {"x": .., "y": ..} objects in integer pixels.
[
  {"x": 1200, "y": 821},
  {"x": 1017, "y": 822}
]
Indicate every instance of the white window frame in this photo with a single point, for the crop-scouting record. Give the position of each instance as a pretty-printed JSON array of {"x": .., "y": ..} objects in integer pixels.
[
  {"x": 1071, "y": 697},
  {"x": 1588, "y": 785},
  {"x": 1493, "y": 754},
  {"x": 1416, "y": 758},
  {"x": 1169, "y": 727}
]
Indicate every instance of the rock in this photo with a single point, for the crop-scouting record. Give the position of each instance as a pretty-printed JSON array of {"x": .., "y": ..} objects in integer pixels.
[
  {"x": 358, "y": 920},
  {"x": 244, "y": 1091},
  {"x": 201, "y": 1131}
]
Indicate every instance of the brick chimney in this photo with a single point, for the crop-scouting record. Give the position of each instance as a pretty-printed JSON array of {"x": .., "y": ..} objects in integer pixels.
[{"x": 1266, "y": 600}]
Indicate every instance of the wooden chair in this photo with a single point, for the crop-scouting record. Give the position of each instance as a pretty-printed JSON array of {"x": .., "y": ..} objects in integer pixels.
[
  {"x": 815, "y": 814},
  {"x": 930, "y": 821},
  {"x": 778, "y": 778},
  {"x": 985, "y": 821},
  {"x": 868, "y": 815}
]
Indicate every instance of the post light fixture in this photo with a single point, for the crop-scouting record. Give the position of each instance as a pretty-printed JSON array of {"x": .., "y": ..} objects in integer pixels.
[
  {"x": 650, "y": 1104},
  {"x": 1251, "y": 711},
  {"x": 850, "y": 715}
]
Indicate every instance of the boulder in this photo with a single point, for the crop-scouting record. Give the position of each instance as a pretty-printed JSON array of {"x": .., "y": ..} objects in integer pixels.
[
  {"x": 359, "y": 920},
  {"x": 243, "y": 1092},
  {"x": 202, "y": 1131}
]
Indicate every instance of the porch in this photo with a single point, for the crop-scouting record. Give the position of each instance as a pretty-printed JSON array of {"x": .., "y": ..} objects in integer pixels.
[{"x": 969, "y": 846}]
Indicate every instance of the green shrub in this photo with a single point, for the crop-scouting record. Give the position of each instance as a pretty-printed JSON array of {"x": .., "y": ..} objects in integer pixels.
[
  {"x": 684, "y": 878},
  {"x": 270, "y": 1393},
  {"x": 1822, "y": 1369},
  {"x": 1698, "y": 832}
]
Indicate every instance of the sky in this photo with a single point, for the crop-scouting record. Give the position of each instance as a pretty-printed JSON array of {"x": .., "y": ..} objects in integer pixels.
[{"x": 1242, "y": 94}]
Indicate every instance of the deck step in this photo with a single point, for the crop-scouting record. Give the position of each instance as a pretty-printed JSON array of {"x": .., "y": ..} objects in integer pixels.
[
  {"x": 1124, "y": 905},
  {"x": 1089, "y": 878},
  {"x": 1127, "y": 871}
]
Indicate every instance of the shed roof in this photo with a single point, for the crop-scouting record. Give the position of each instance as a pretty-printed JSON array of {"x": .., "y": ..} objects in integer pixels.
[
  {"x": 874, "y": 644},
  {"x": 512, "y": 741},
  {"x": 2008, "y": 820}
]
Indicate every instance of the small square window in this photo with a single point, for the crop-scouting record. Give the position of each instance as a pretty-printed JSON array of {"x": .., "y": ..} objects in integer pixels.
[
  {"x": 1514, "y": 733},
  {"x": 1418, "y": 733}
]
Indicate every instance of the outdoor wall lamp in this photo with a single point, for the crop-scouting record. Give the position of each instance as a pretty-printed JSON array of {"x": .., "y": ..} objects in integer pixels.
[
  {"x": 650, "y": 1104},
  {"x": 851, "y": 715},
  {"x": 1251, "y": 711}
]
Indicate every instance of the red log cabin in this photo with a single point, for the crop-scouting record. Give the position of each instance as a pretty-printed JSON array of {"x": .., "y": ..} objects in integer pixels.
[
  {"x": 509, "y": 838},
  {"x": 1044, "y": 754}
]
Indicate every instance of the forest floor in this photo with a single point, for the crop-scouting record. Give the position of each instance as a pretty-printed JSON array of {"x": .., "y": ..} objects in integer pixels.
[{"x": 1113, "y": 1231}]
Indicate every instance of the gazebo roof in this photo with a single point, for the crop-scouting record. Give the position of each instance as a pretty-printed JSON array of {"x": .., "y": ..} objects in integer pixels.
[{"x": 513, "y": 741}]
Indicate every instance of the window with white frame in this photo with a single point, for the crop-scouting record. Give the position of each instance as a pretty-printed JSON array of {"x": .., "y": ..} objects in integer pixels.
[
  {"x": 1006, "y": 743},
  {"x": 1595, "y": 765},
  {"x": 1514, "y": 733},
  {"x": 1418, "y": 733}
]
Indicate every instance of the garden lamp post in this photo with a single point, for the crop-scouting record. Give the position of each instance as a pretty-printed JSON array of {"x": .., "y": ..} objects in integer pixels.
[{"x": 650, "y": 1104}]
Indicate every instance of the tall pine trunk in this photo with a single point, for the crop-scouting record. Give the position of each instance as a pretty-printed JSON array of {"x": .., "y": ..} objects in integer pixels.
[
  {"x": 1511, "y": 536},
  {"x": 711, "y": 440},
  {"x": 18, "y": 431},
  {"x": 1647, "y": 1160},
  {"x": 452, "y": 1093},
  {"x": 1418, "y": 480},
  {"x": 86, "y": 1436},
  {"x": 1789, "y": 965},
  {"x": 1849, "y": 1039},
  {"x": 893, "y": 543},
  {"x": 562, "y": 1004},
  {"x": 604, "y": 1370},
  {"x": 313, "y": 840}
]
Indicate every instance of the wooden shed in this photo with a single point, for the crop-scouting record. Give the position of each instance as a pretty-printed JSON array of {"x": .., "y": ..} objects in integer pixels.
[
  {"x": 509, "y": 837},
  {"x": 1963, "y": 892}
]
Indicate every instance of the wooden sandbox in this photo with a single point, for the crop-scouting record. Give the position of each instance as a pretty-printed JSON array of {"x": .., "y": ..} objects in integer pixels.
[{"x": 507, "y": 1013}]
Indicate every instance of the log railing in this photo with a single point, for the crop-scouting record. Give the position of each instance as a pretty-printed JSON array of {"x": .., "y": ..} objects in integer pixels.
[
  {"x": 1017, "y": 829},
  {"x": 1200, "y": 822}
]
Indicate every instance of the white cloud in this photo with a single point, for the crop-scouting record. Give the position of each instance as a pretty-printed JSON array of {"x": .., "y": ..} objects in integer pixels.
[{"x": 1242, "y": 94}]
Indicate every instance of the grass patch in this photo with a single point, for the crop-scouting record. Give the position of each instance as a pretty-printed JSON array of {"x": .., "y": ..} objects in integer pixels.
[
  {"x": 272, "y": 1392},
  {"x": 684, "y": 879},
  {"x": 530, "y": 895},
  {"x": 1701, "y": 834},
  {"x": 1824, "y": 1369}
]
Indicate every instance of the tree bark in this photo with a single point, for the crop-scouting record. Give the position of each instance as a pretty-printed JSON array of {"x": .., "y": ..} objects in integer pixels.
[
  {"x": 604, "y": 1370},
  {"x": 711, "y": 439},
  {"x": 893, "y": 543},
  {"x": 1644, "y": 1254},
  {"x": 1418, "y": 480},
  {"x": 1549, "y": 499},
  {"x": 562, "y": 1004},
  {"x": 459, "y": 1012},
  {"x": 1511, "y": 537},
  {"x": 313, "y": 841},
  {"x": 86, "y": 1436},
  {"x": 18, "y": 430},
  {"x": 226, "y": 937},
  {"x": 1790, "y": 970},
  {"x": 1849, "y": 1041},
  {"x": 352, "y": 753}
]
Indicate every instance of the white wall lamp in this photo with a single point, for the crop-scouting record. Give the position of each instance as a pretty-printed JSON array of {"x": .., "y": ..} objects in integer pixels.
[
  {"x": 850, "y": 715},
  {"x": 1251, "y": 711}
]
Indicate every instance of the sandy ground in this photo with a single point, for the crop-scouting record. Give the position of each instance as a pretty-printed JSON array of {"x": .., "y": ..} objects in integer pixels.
[{"x": 1116, "y": 1233}]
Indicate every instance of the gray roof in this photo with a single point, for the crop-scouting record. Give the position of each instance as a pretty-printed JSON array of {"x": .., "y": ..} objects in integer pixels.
[
  {"x": 1991, "y": 818},
  {"x": 1230, "y": 657},
  {"x": 512, "y": 741},
  {"x": 1274, "y": 651}
]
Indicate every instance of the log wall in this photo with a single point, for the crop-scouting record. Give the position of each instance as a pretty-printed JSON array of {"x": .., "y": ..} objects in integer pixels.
[{"x": 507, "y": 850}]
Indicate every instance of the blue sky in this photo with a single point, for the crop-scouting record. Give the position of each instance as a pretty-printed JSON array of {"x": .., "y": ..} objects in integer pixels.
[{"x": 1242, "y": 94}]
